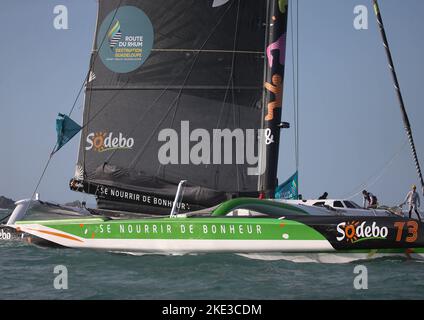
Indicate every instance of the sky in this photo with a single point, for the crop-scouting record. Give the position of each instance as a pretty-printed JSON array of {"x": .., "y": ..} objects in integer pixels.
[{"x": 350, "y": 127}]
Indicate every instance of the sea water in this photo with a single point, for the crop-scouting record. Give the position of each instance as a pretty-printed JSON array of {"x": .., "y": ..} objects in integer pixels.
[{"x": 27, "y": 272}]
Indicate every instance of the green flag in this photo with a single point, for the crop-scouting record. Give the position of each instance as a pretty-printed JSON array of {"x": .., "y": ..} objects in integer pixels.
[{"x": 66, "y": 129}]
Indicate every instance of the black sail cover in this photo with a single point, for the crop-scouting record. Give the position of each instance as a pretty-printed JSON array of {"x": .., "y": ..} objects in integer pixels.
[{"x": 176, "y": 66}]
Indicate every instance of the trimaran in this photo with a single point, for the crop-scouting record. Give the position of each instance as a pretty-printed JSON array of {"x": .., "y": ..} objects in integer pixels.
[{"x": 192, "y": 67}]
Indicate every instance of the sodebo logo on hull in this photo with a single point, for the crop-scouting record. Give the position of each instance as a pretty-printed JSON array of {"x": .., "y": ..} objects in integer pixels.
[
  {"x": 5, "y": 235},
  {"x": 101, "y": 142},
  {"x": 356, "y": 232}
]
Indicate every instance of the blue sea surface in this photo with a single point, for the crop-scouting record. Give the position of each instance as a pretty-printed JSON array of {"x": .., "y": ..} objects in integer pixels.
[{"x": 27, "y": 272}]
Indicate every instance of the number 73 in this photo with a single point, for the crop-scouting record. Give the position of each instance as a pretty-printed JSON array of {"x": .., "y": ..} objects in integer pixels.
[{"x": 412, "y": 231}]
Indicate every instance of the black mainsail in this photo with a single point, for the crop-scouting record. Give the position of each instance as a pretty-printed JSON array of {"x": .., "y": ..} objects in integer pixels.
[{"x": 166, "y": 75}]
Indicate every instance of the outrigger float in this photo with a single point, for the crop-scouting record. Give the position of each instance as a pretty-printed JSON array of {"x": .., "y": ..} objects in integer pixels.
[{"x": 205, "y": 64}]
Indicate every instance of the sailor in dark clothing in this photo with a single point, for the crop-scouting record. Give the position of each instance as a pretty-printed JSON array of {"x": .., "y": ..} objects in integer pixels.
[
  {"x": 370, "y": 200},
  {"x": 324, "y": 196}
]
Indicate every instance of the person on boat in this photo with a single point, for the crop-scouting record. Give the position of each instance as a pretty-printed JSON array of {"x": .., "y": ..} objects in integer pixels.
[
  {"x": 370, "y": 200},
  {"x": 324, "y": 196},
  {"x": 414, "y": 202}
]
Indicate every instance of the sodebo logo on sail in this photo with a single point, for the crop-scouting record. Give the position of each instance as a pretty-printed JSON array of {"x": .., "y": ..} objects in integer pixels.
[
  {"x": 356, "y": 232},
  {"x": 102, "y": 141}
]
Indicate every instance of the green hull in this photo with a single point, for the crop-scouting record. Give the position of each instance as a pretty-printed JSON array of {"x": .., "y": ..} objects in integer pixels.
[
  {"x": 189, "y": 235},
  {"x": 273, "y": 229}
]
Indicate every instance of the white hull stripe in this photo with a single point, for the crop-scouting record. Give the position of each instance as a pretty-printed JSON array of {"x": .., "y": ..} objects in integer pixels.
[{"x": 176, "y": 245}]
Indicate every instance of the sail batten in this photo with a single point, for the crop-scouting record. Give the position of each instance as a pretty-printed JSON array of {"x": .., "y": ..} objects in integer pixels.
[{"x": 176, "y": 87}]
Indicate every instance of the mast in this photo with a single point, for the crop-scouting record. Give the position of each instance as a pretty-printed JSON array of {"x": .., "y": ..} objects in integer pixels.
[
  {"x": 273, "y": 93},
  {"x": 405, "y": 118}
]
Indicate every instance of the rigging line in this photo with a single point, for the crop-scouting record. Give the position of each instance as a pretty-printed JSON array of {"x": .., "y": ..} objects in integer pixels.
[
  {"x": 210, "y": 51},
  {"x": 405, "y": 118},
  {"x": 6, "y": 217},
  {"x": 96, "y": 53},
  {"x": 167, "y": 16},
  {"x": 105, "y": 105},
  {"x": 150, "y": 107},
  {"x": 293, "y": 78},
  {"x": 373, "y": 179},
  {"x": 44, "y": 171},
  {"x": 41, "y": 177},
  {"x": 232, "y": 86},
  {"x": 84, "y": 129},
  {"x": 297, "y": 88},
  {"x": 86, "y": 82},
  {"x": 182, "y": 88},
  {"x": 148, "y": 110},
  {"x": 230, "y": 83},
  {"x": 176, "y": 101},
  {"x": 261, "y": 152},
  {"x": 70, "y": 113},
  {"x": 197, "y": 55}
]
